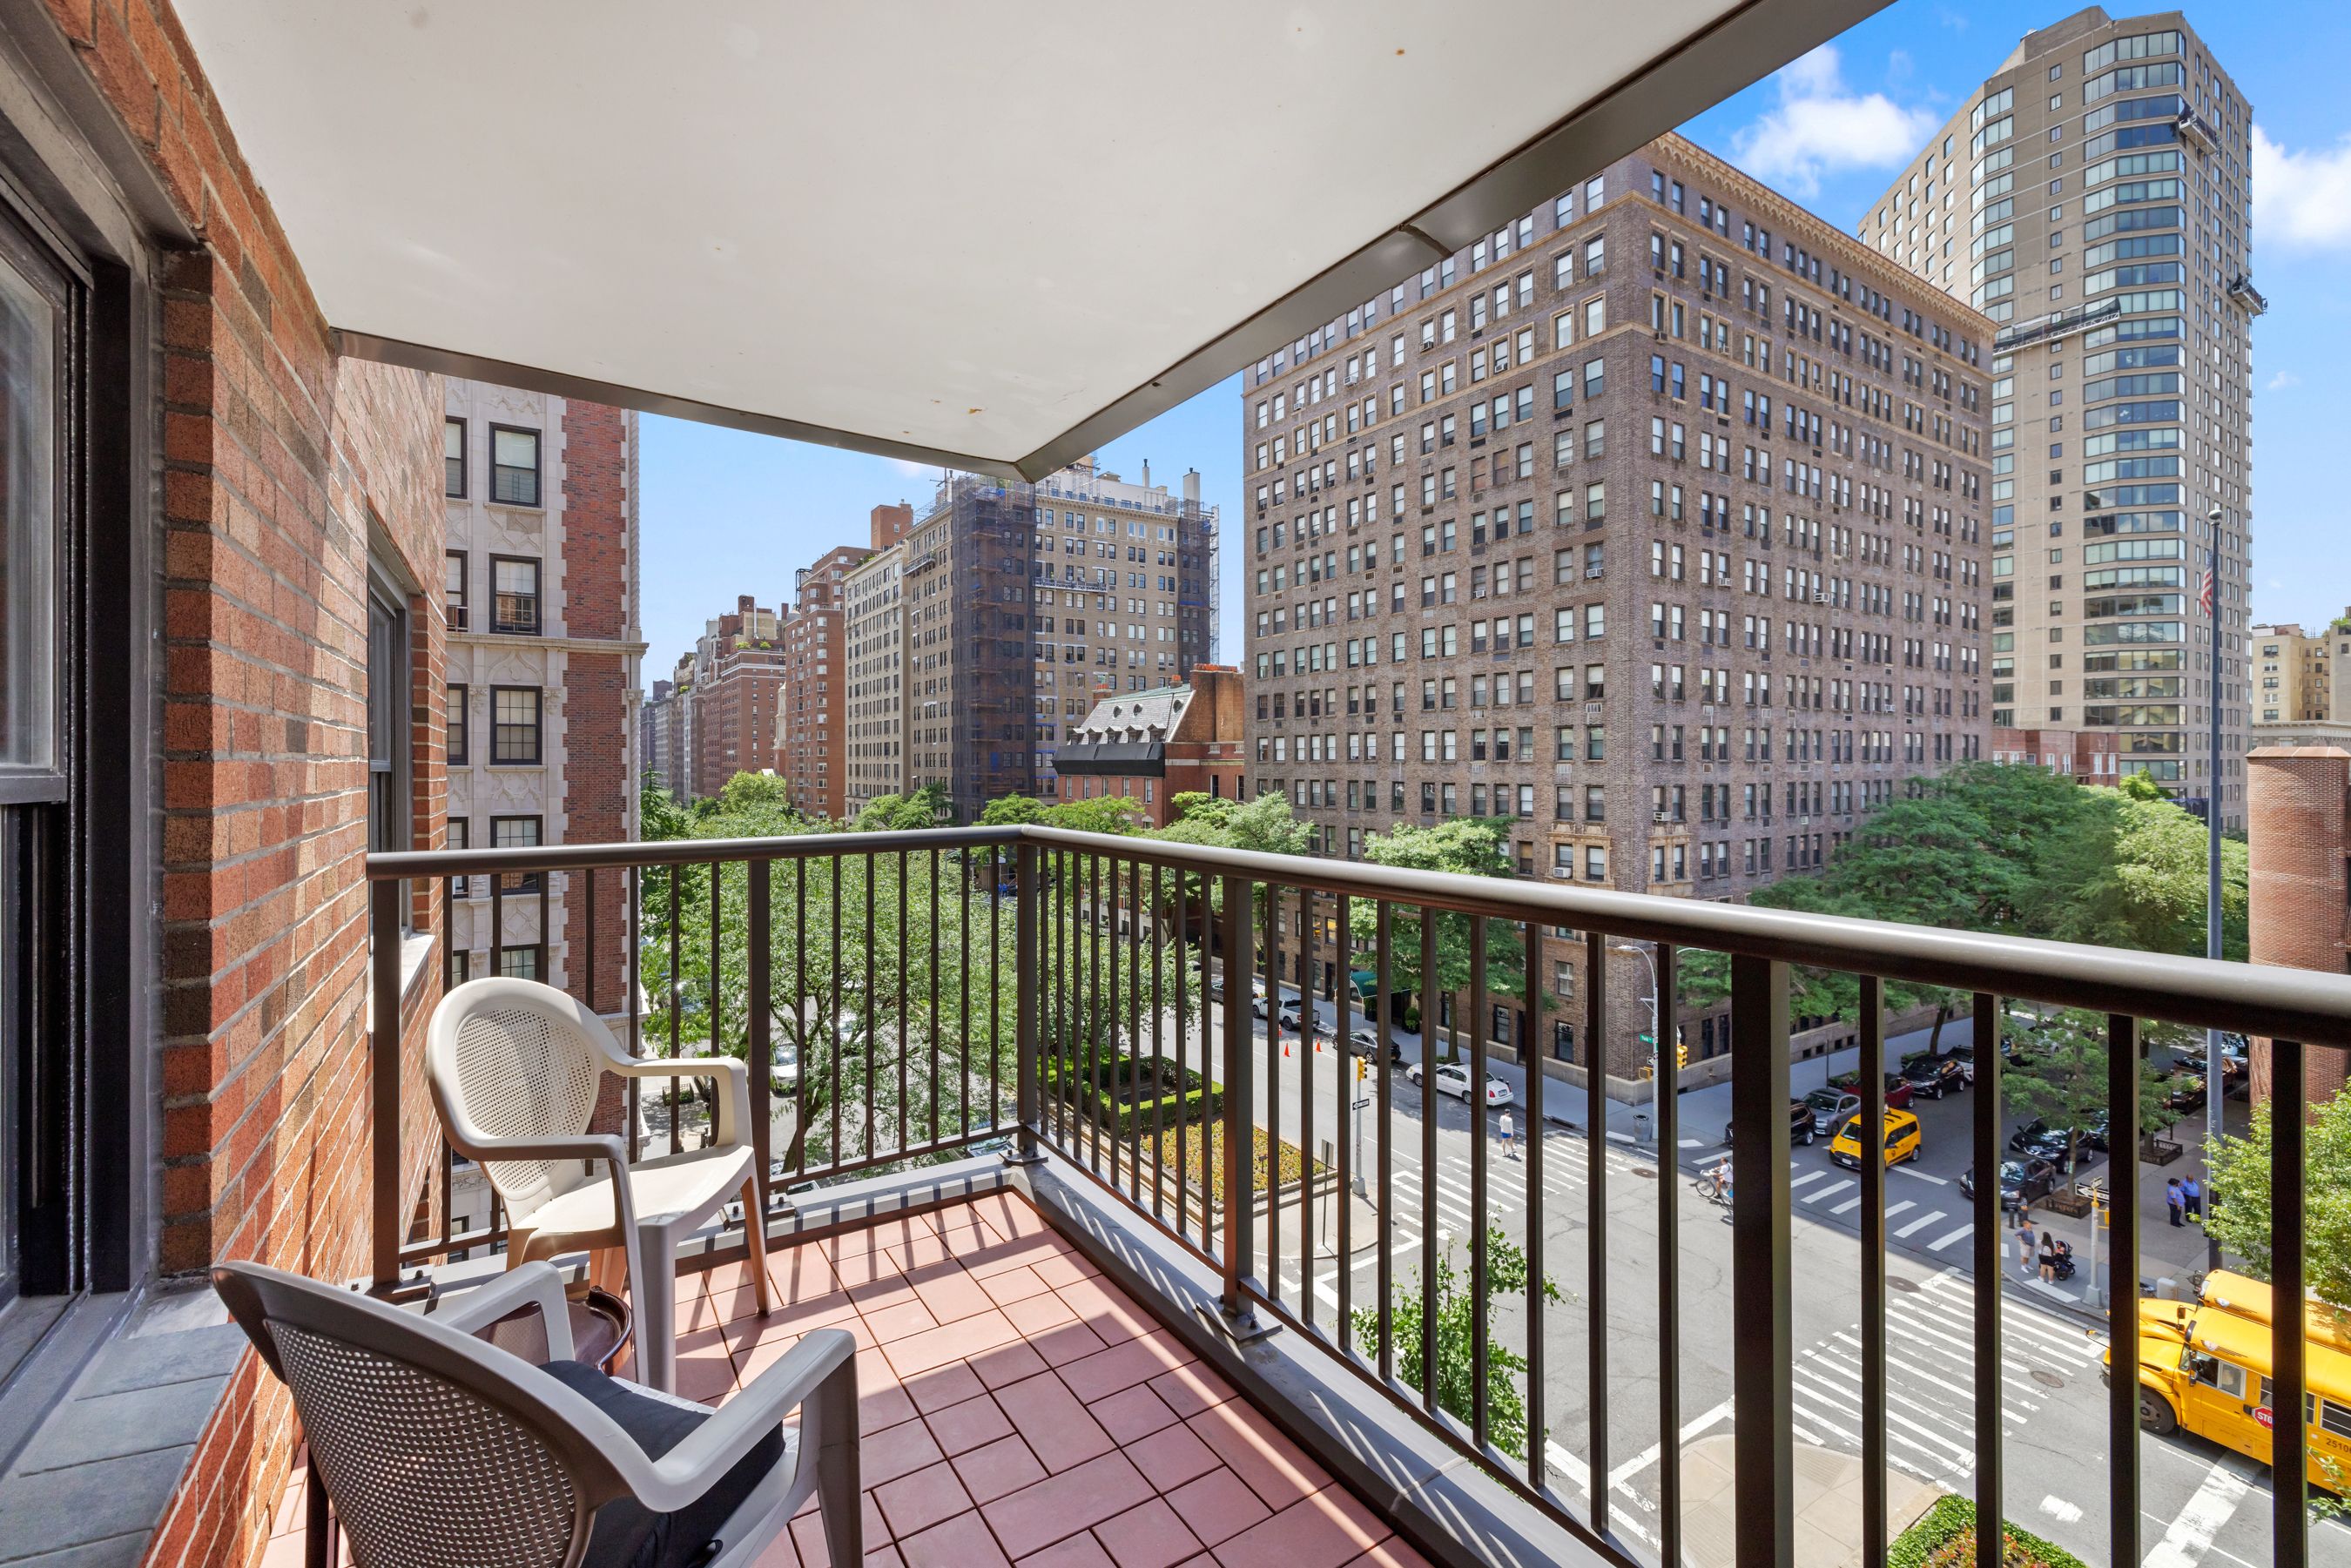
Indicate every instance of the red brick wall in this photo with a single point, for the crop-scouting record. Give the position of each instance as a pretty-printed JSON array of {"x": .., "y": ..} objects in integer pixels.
[
  {"x": 596, "y": 779},
  {"x": 2298, "y": 833},
  {"x": 280, "y": 462}
]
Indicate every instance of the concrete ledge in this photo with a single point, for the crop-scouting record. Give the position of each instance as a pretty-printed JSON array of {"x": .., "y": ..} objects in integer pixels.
[{"x": 1437, "y": 1499}]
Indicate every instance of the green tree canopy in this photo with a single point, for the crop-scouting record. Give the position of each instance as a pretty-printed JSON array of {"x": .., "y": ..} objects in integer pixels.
[
  {"x": 1470, "y": 846},
  {"x": 2237, "y": 1208},
  {"x": 1011, "y": 811}
]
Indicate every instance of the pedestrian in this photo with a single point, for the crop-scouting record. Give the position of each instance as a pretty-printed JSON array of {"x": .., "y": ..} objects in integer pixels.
[
  {"x": 1509, "y": 1136},
  {"x": 2175, "y": 1202},
  {"x": 2024, "y": 1238},
  {"x": 2191, "y": 1194}
]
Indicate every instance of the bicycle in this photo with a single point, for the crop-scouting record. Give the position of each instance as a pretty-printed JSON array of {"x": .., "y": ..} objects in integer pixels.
[{"x": 1712, "y": 1187}]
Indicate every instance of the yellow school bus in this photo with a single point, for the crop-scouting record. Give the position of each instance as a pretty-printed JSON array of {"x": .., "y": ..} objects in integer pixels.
[{"x": 2204, "y": 1366}]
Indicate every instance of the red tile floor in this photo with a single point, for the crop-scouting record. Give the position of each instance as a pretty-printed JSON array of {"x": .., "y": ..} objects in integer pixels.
[{"x": 1018, "y": 1409}]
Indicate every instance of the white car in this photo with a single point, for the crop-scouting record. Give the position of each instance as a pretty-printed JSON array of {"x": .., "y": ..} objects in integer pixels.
[{"x": 1453, "y": 1078}]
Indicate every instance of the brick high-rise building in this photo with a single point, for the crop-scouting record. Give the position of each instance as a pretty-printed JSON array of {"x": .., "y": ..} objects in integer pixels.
[
  {"x": 2095, "y": 200},
  {"x": 677, "y": 735},
  {"x": 736, "y": 696},
  {"x": 1653, "y": 522},
  {"x": 2291, "y": 674},
  {"x": 812, "y": 750},
  {"x": 543, "y": 654},
  {"x": 1005, "y": 613}
]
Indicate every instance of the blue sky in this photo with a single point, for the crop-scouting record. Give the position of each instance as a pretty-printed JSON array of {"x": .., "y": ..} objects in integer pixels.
[{"x": 727, "y": 513}]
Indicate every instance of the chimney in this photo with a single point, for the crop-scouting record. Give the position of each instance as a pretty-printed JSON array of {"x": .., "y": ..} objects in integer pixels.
[
  {"x": 1146, "y": 473},
  {"x": 1192, "y": 487}
]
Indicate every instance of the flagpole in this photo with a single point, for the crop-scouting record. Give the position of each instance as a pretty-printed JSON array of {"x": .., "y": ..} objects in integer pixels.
[{"x": 2213, "y": 910}]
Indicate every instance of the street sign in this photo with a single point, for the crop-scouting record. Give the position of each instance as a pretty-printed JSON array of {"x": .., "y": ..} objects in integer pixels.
[
  {"x": 1647, "y": 1039},
  {"x": 1364, "y": 1103}
]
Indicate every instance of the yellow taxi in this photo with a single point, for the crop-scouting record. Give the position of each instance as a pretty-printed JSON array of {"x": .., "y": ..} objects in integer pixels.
[
  {"x": 2204, "y": 1368},
  {"x": 1903, "y": 1140}
]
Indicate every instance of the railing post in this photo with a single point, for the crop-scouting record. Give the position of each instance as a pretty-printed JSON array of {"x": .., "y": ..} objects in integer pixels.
[
  {"x": 1764, "y": 1452},
  {"x": 383, "y": 1086},
  {"x": 1234, "y": 1313},
  {"x": 758, "y": 989},
  {"x": 1025, "y": 1110}
]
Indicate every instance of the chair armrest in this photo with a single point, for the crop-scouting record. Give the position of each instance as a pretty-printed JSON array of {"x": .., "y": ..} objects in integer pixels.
[
  {"x": 604, "y": 1146},
  {"x": 731, "y": 1104},
  {"x": 536, "y": 1284},
  {"x": 799, "y": 1381}
]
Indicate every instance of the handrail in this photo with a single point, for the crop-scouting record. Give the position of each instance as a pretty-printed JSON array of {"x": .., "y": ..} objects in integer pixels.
[{"x": 2308, "y": 1004}]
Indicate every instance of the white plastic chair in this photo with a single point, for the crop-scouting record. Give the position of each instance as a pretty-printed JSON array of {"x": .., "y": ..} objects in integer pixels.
[
  {"x": 439, "y": 1450},
  {"x": 514, "y": 1067}
]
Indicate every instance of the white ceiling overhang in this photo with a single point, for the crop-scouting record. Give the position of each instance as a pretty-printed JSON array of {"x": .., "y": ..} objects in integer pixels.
[{"x": 994, "y": 234}]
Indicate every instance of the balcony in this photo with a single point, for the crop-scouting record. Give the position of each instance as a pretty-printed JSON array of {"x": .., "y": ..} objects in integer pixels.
[{"x": 947, "y": 1175}]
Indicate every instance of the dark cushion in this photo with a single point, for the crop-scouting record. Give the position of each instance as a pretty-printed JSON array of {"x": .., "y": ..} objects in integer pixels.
[{"x": 627, "y": 1535}]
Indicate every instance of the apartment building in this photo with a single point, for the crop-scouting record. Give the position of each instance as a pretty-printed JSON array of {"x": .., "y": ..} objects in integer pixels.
[
  {"x": 736, "y": 695},
  {"x": 2291, "y": 674},
  {"x": 677, "y": 740},
  {"x": 1652, "y": 522},
  {"x": 544, "y": 648},
  {"x": 656, "y": 726},
  {"x": 2094, "y": 199},
  {"x": 1006, "y": 612},
  {"x": 874, "y": 631}
]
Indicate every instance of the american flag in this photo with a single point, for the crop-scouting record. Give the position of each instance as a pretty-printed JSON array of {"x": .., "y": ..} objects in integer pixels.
[{"x": 2204, "y": 594}]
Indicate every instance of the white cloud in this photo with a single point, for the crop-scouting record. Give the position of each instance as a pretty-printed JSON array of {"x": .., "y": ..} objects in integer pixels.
[
  {"x": 2301, "y": 199},
  {"x": 2282, "y": 381},
  {"x": 1823, "y": 126}
]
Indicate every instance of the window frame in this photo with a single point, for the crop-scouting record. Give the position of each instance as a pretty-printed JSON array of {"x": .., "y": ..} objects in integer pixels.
[
  {"x": 463, "y": 459},
  {"x": 498, "y": 623},
  {"x": 457, "y": 602},
  {"x": 537, "y": 466},
  {"x": 457, "y": 720},
  {"x": 537, "y": 758}
]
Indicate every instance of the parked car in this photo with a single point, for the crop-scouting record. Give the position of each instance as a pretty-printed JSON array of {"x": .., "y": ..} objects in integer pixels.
[
  {"x": 1799, "y": 1124},
  {"x": 1934, "y": 1076},
  {"x": 1903, "y": 1140},
  {"x": 1364, "y": 1041},
  {"x": 1830, "y": 1107},
  {"x": 2038, "y": 1140},
  {"x": 1453, "y": 1078},
  {"x": 2021, "y": 1182},
  {"x": 1897, "y": 1088},
  {"x": 2187, "y": 1091}
]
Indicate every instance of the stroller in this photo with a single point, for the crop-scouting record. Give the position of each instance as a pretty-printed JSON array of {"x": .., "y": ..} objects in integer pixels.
[{"x": 2057, "y": 1256}]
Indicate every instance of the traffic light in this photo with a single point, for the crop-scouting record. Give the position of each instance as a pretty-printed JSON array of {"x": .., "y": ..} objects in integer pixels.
[{"x": 1681, "y": 1057}]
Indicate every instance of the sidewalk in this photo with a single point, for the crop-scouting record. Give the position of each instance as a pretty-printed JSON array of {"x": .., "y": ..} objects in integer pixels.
[{"x": 1827, "y": 1499}]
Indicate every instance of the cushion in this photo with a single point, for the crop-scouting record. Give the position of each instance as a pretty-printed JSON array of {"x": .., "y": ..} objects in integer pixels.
[{"x": 626, "y": 1534}]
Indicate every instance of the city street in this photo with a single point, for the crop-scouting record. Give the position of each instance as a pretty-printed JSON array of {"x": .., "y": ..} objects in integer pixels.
[{"x": 2203, "y": 1504}]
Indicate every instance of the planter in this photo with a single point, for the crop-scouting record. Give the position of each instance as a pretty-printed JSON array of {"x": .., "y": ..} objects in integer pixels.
[{"x": 2153, "y": 1150}]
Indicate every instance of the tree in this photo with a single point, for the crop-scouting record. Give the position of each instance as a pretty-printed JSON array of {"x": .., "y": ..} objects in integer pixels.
[
  {"x": 1457, "y": 1313},
  {"x": 1471, "y": 846},
  {"x": 845, "y": 1029},
  {"x": 1119, "y": 814},
  {"x": 2149, "y": 888},
  {"x": 2236, "y": 1207},
  {"x": 1011, "y": 811},
  {"x": 925, "y": 807},
  {"x": 2059, "y": 1074}
]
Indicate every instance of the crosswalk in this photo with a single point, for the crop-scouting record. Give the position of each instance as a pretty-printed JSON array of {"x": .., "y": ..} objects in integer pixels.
[
  {"x": 1563, "y": 1181},
  {"x": 1931, "y": 1377}
]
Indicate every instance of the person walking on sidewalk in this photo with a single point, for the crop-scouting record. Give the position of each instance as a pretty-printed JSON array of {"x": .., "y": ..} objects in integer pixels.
[
  {"x": 2175, "y": 1202},
  {"x": 2191, "y": 1193},
  {"x": 1509, "y": 1136},
  {"x": 2024, "y": 1238}
]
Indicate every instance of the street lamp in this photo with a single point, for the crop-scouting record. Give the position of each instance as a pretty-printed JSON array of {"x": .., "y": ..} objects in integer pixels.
[{"x": 1656, "y": 1036}]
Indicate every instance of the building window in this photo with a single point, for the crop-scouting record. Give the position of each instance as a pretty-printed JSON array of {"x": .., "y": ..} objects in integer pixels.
[
  {"x": 452, "y": 457},
  {"x": 514, "y": 466},
  {"x": 515, "y": 833},
  {"x": 526, "y": 962},
  {"x": 513, "y": 595},
  {"x": 461, "y": 969},
  {"x": 461, "y": 837},
  {"x": 458, "y": 618},
  {"x": 458, "y": 727},
  {"x": 514, "y": 725},
  {"x": 388, "y": 734}
]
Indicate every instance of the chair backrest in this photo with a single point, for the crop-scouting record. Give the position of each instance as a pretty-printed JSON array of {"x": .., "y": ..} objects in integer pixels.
[
  {"x": 514, "y": 1059},
  {"x": 436, "y": 1447}
]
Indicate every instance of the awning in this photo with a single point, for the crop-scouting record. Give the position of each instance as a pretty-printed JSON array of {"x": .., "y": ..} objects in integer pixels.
[{"x": 992, "y": 235}]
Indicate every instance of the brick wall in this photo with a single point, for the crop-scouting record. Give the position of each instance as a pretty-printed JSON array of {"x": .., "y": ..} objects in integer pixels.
[
  {"x": 2298, "y": 833},
  {"x": 598, "y": 442},
  {"x": 280, "y": 463}
]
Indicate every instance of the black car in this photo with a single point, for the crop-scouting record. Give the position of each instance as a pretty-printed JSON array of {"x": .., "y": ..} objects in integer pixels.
[
  {"x": 1934, "y": 1076},
  {"x": 1799, "y": 1124},
  {"x": 2187, "y": 1091},
  {"x": 2037, "y": 1140},
  {"x": 2020, "y": 1181}
]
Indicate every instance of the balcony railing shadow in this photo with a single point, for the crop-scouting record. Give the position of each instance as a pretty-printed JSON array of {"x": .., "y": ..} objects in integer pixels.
[{"x": 1080, "y": 1011}]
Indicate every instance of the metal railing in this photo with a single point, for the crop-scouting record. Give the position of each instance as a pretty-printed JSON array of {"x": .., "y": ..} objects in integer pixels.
[{"x": 1135, "y": 1059}]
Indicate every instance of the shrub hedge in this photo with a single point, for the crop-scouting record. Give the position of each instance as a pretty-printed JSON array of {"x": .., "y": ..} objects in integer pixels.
[{"x": 1945, "y": 1537}]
